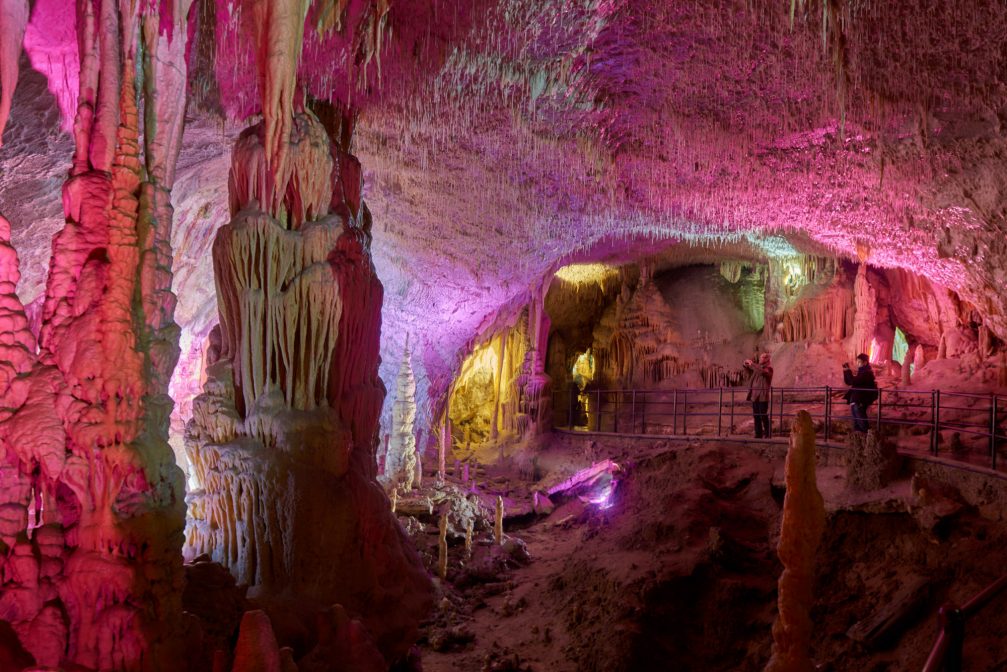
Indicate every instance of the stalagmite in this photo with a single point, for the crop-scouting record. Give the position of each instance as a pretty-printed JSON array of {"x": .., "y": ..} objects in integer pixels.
[
  {"x": 442, "y": 547},
  {"x": 801, "y": 531},
  {"x": 907, "y": 364},
  {"x": 864, "y": 321},
  {"x": 498, "y": 521},
  {"x": 443, "y": 446},
  {"x": 400, "y": 464},
  {"x": 283, "y": 440},
  {"x": 469, "y": 532}
]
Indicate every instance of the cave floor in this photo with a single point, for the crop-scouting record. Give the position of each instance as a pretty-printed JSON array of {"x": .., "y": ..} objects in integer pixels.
[{"x": 680, "y": 573}]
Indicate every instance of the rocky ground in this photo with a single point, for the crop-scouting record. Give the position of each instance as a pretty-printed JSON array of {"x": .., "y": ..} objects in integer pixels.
[{"x": 680, "y": 572}]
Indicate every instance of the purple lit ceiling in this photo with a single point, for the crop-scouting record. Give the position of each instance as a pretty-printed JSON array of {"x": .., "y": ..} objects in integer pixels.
[{"x": 503, "y": 137}]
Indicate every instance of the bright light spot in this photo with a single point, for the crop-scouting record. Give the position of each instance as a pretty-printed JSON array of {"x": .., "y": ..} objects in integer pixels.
[
  {"x": 874, "y": 350},
  {"x": 793, "y": 276},
  {"x": 583, "y": 274},
  {"x": 774, "y": 247},
  {"x": 583, "y": 369},
  {"x": 602, "y": 497},
  {"x": 900, "y": 346}
]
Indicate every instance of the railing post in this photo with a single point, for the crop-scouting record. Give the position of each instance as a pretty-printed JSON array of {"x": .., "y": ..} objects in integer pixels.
[
  {"x": 674, "y": 413},
  {"x": 615, "y": 412},
  {"x": 720, "y": 413},
  {"x": 632, "y": 425},
  {"x": 952, "y": 623},
  {"x": 936, "y": 414},
  {"x": 597, "y": 409},
  {"x": 828, "y": 411},
  {"x": 730, "y": 429},
  {"x": 685, "y": 412},
  {"x": 880, "y": 406},
  {"x": 993, "y": 431},
  {"x": 769, "y": 412}
]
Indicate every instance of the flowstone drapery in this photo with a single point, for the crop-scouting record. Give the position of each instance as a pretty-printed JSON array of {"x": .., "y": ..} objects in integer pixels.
[
  {"x": 282, "y": 441},
  {"x": 93, "y": 515}
]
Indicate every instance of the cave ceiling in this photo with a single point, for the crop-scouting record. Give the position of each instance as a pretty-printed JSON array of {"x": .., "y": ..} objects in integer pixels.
[{"x": 504, "y": 138}]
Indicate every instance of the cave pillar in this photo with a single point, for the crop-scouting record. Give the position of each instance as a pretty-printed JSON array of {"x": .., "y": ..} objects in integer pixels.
[
  {"x": 865, "y": 317},
  {"x": 536, "y": 388},
  {"x": 283, "y": 439},
  {"x": 400, "y": 462},
  {"x": 104, "y": 569}
]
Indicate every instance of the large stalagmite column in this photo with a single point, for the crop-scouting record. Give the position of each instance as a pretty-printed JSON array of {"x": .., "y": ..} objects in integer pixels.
[
  {"x": 98, "y": 585},
  {"x": 282, "y": 442},
  {"x": 801, "y": 532},
  {"x": 865, "y": 317},
  {"x": 400, "y": 467}
]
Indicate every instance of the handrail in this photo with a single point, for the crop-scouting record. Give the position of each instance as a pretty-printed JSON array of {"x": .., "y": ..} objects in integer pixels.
[
  {"x": 694, "y": 410},
  {"x": 947, "y": 650}
]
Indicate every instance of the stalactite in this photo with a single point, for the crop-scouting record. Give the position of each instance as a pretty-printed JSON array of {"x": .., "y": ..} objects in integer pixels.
[{"x": 826, "y": 317}]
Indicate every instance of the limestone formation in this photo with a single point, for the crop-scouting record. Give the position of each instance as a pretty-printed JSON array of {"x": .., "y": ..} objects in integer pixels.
[
  {"x": 871, "y": 462},
  {"x": 800, "y": 534},
  {"x": 400, "y": 465},
  {"x": 13, "y": 19},
  {"x": 864, "y": 320},
  {"x": 283, "y": 439},
  {"x": 498, "y": 534},
  {"x": 98, "y": 583}
]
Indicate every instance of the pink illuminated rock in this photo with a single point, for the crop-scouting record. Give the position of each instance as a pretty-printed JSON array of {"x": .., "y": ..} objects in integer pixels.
[
  {"x": 92, "y": 466},
  {"x": 282, "y": 441},
  {"x": 13, "y": 19}
]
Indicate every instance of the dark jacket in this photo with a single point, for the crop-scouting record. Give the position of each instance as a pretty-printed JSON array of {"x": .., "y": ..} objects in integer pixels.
[
  {"x": 760, "y": 382},
  {"x": 863, "y": 387}
]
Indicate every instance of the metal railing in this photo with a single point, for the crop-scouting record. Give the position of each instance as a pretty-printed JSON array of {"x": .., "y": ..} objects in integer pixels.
[
  {"x": 966, "y": 427},
  {"x": 947, "y": 652}
]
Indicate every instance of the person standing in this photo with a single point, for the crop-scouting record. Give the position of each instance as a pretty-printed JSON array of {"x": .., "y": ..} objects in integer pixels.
[
  {"x": 758, "y": 392},
  {"x": 863, "y": 390}
]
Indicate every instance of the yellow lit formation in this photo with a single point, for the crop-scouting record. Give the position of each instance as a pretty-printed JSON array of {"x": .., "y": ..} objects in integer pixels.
[{"x": 582, "y": 274}]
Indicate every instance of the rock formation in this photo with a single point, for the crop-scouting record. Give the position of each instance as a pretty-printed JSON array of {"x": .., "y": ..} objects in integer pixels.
[
  {"x": 400, "y": 465},
  {"x": 871, "y": 462},
  {"x": 283, "y": 440},
  {"x": 800, "y": 534},
  {"x": 864, "y": 319},
  {"x": 98, "y": 583}
]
